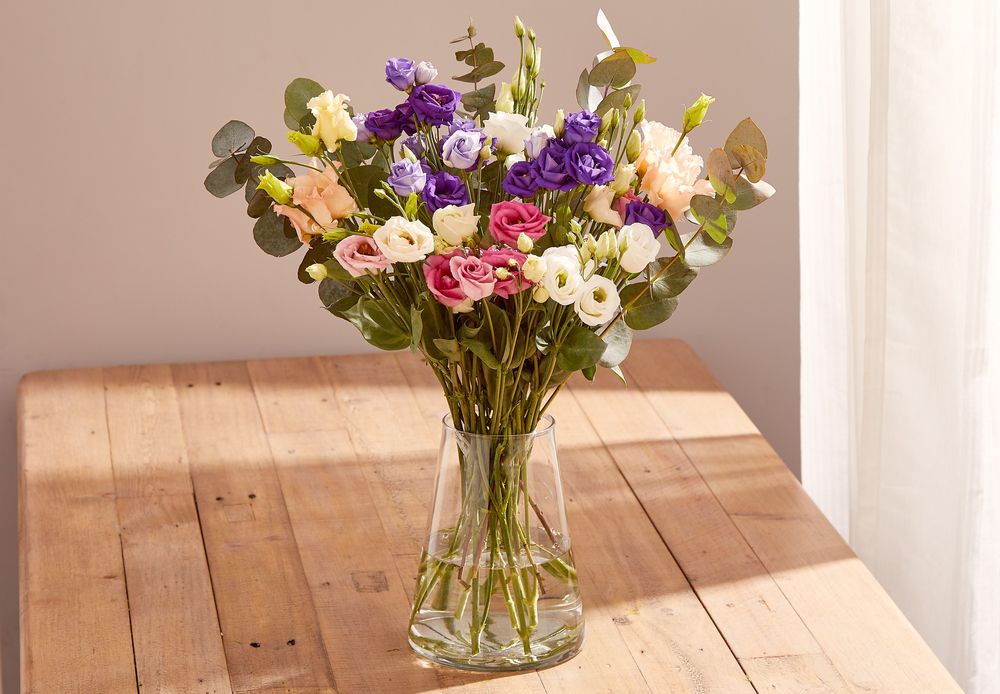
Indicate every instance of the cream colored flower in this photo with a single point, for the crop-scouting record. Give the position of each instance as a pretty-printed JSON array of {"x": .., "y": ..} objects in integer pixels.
[
  {"x": 670, "y": 180},
  {"x": 598, "y": 301},
  {"x": 455, "y": 224},
  {"x": 333, "y": 122},
  {"x": 624, "y": 175},
  {"x": 563, "y": 279},
  {"x": 638, "y": 247},
  {"x": 509, "y": 129},
  {"x": 598, "y": 206},
  {"x": 533, "y": 268},
  {"x": 607, "y": 245},
  {"x": 403, "y": 241}
]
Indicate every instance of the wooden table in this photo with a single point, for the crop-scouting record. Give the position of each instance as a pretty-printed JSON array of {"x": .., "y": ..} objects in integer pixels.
[{"x": 254, "y": 526}]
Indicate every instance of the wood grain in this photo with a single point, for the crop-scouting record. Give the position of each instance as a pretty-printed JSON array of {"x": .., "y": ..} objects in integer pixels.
[{"x": 255, "y": 527}]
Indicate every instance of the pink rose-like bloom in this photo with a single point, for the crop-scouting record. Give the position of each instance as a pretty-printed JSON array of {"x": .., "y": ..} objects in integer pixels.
[
  {"x": 441, "y": 282},
  {"x": 508, "y": 220},
  {"x": 625, "y": 199},
  {"x": 475, "y": 278},
  {"x": 319, "y": 201},
  {"x": 500, "y": 256},
  {"x": 359, "y": 255}
]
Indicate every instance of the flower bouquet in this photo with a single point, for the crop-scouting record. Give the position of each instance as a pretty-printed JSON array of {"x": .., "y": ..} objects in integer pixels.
[{"x": 509, "y": 253}]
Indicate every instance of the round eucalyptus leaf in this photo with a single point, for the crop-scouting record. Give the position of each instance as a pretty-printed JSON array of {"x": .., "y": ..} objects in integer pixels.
[
  {"x": 616, "y": 71},
  {"x": 259, "y": 145},
  {"x": 275, "y": 235},
  {"x": 332, "y": 293},
  {"x": 581, "y": 349},
  {"x": 619, "y": 341},
  {"x": 221, "y": 181},
  {"x": 648, "y": 305},
  {"x": 704, "y": 251},
  {"x": 232, "y": 137},
  {"x": 297, "y": 94}
]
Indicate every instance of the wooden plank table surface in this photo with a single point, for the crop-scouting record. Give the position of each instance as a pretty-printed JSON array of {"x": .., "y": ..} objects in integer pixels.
[{"x": 255, "y": 527}]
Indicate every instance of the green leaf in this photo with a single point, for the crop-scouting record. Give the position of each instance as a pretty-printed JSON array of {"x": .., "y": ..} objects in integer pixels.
[
  {"x": 704, "y": 251},
  {"x": 412, "y": 206},
  {"x": 616, "y": 70},
  {"x": 720, "y": 174},
  {"x": 377, "y": 325},
  {"x": 297, "y": 94},
  {"x": 583, "y": 90},
  {"x": 589, "y": 373},
  {"x": 481, "y": 350},
  {"x": 639, "y": 57},
  {"x": 581, "y": 349},
  {"x": 479, "y": 55},
  {"x": 333, "y": 294},
  {"x": 365, "y": 179},
  {"x": 275, "y": 235},
  {"x": 652, "y": 305},
  {"x": 259, "y": 204},
  {"x": 221, "y": 181},
  {"x": 673, "y": 237},
  {"x": 416, "y": 328},
  {"x": 481, "y": 72},
  {"x": 750, "y": 194},
  {"x": 708, "y": 211},
  {"x": 480, "y": 98},
  {"x": 259, "y": 145},
  {"x": 277, "y": 170},
  {"x": 356, "y": 153},
  {"x": 619, "y": 341},
  {"x": 751, "y": 160},
  {"x": 747, "y": 134},
  {"x": 676, "y": 278},
  {"x": 449, "y": 348},
  {"x": 317, "y": 253},
  {"x": 232, "y": 137},
  {"x": 616, "y": 98}
]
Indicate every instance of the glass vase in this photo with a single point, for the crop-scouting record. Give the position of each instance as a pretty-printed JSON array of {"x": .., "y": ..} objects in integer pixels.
[{"x": 497, "y": 587}]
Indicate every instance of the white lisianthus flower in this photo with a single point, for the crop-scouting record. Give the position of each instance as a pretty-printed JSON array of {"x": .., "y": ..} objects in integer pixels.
[
  {"x": 638, "y": 247},
  {"x": 537, "y": 140},
  {"x": 333, "y": 122},
  {"x": 563, "y": 278},
  {"x": 513, "y": 159},
  {"x": 598, "y": 301},
  {"x": 455, "y": 223},
  {"x": 533, "y": 268},
  {"x": 624, "y": 175},
  {"x": 598, "y": 205},
  {"x": 509, "y": 129},
  {"x": 403, "y": 241},
  {"x": 670, "y": 180},
  {"x": 607, "y": 246}
]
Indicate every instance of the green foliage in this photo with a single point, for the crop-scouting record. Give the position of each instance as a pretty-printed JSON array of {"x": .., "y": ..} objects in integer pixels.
[
  {"x": 221, "y": 181},
  {"x": 617, "y": 98},
  {"x": 709, "y": 212},
  {"x": 581, "y": 349},
  {"x": 746, "y": 147},
  {"x": 232, "y": 137},
  {"x": 619, "y": 342},
  {"x": 275, "y": 235},
  {"x": 616, "y": 70},
  {"x": 750, "y": 194},
  {"x": 376, "y": 323},
  {"x": 649, "y": 304},
  {"x": 319, "y": 252},
  {"x": 336, "y": 296},
  {"x": 479, "y": 101},
  {"x": 705, "y": 251},
  {"x": 297, "y": 94},
  {"x": 720, "y": 174}
]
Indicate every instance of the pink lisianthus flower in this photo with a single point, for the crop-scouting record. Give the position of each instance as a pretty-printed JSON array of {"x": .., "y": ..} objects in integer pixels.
[
  {"x": 508, "y": 220},
  {"x": 359, "y": 255},
  {"x": 622, "y": 201},
  {"x": 501, "y": 257},
  {"x": 443, "y": 285},
  {"x": 475, "y": 277}
]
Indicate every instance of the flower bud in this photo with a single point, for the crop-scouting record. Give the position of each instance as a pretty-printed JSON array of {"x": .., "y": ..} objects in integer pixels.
[
  {"x": 529, "y": 59},
  {"x": 531, "y": 34},
  {"x": 534, "y": 268},
  {"x": 624, "y": 175},
  {"x": 695, "y": 113},
  {"x": 424, "y": 72},
  {"x": 279, "y": 191},
  {"x": 505, "y": 100},
  {"x": 518, "y": 27},
  {"x": 603, "y": 143},
  {"x": 524, "y": 243},
  {"x": 540, "y": 294},
  {"x": 607, "y": 246},
  {"x": 502, "y": 273},
  {"x": 265, "y": 160},
  {"x": 536, "y": 65},
  {"x": 575, "y": 226},
  {"x": 633, "y": 147},
  {"x": 336, "y": 235},
  {"x": 317, "y": 271},
  {"x": 486, "y": 152},
  {"x": 517, "y": 83},
  {"x": 640, "y": 112},
  {"x": 309, "y": 145},
  {"x": 408, "y": 154},
  {"x": 607, "y": 121},
  {"x": 559, "y": 126}
]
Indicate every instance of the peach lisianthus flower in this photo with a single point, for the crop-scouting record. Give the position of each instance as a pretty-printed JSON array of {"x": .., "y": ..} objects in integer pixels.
[
  {"x": 670, "y": 180},
  {"x": 320, "y": 201}
]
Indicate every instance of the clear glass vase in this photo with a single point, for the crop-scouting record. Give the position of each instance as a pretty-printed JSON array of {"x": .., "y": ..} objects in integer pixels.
[{"x": 497, "y": 587}]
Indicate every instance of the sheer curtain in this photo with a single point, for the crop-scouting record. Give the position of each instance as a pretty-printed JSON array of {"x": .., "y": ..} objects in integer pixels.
[{"x": 900, "y": 253}]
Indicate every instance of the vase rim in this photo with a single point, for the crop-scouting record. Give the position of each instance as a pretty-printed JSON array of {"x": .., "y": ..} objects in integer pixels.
[{"x": 546, "y": 425}]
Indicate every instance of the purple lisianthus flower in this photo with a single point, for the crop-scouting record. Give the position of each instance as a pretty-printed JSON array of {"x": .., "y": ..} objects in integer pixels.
[
  {"x": 400, "y": 73},
  {"x": 549, "y": 168},
  {"x": 443, "y": 189},
  {"x": 434, "y": 104},
  {"x": 415, "y": 143},
  {"x": 581, "y": 127},
  {"x": 520, "y": 180},
  {"x": 460, "y": 123},
  {"x": 407, "y": 177},
  {"x": 405, "y": 114},
  {"x": 461, "y": 149},
  {"x": 645, "y": 213},
  {"x": 589, "y": 164},
  {"x": 364, "y": 134},
  {"x": 385, "y": 124}
]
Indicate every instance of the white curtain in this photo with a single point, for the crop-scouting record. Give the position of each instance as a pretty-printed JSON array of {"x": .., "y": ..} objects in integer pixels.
[{"x": 900, "y": 266}]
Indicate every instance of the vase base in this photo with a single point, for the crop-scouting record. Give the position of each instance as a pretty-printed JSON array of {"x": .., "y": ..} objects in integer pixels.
[{"x": 503, "y": 661}]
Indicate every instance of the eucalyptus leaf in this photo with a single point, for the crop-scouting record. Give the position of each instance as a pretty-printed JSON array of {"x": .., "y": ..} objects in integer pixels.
[
  {"x": 589, "y": 373},
  {"x": 480, "y": 54},
  {"x": 753, "y": 163},
  {"x": 377, "y": 325},
  {"x": 638, "y": 57},
  {"x": 616, "y": 70},
  {"x": 750, "y": 194},
  {"x": 482, "y": 351},
  {"x": 259, "y": 145},
  {"x": 274, "y": 234},
  {"x": 708, "y": 211},
  {"x": 333, "y": 293},
  {"x": 746, "y": 133},
  {"x": 416, "y": 328},
  {"x": 616, "y": 98},
  {"x": 676, "y": 278},
  {"x": 619, "y": 341},
  {"x": 317, "y": 254},
  {"x": 221, "y": 181},
  {"x": 297, "y": 94},
  {"x": 232, "y": 137},
  {"x": 480, "y": 98},
  {"x": 648, "y": 305},
  {"x": 260, "y": 203},
  {"x": 481, "y": 72},
  {"x": 720, "y": 174},
  {"x": 583, "y": 90},
  {"x": 277, "y": 170},
  {"x": 365, "y": 179},
  {"x": 581, "y": 349},
  {"x": 704, "y": 251}
]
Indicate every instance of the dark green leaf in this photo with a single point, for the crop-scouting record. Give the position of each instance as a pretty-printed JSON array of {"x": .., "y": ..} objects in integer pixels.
[
  {"x": 377, "y": 325},
  {"x": 221, "y": 181},
  {"x": 616, "y": 70},
  {"x": 479, "y": 98},
  {"x": 449, "y": 348},
  {"x": 652, "y": 305},
  {"x": 581, "y": 349},
  {"x": 334, "y": 294},
  {"x": 704, "y": 251},
  {"x": 365, "y": 179},
  {"x": 676, "y": 278},
  {"x": 355, "y": 153},
  {"x": 275, "y": 235},
  {"x": 481, "y": 350},
  {"x": 297, "y": 94},
  {"x": 259, "y": 145},
  {"x": 589, "y": 373},
  {"x": 416, "y": 328},
  {"x": 616, "y": 98},
  {"x": 480, "y": 55},
  {"x": 619, "y": 341},
  {"x": 259, "y": 204},
  {"x": 232, "y": 137},
  {"x": 318, "y": 253},
  {"x": 481, "y": 72}
]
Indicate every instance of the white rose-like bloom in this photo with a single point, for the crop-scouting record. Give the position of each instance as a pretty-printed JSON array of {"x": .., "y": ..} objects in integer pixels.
[
  {"x": 598, "y": 206},
  {"x": 454, "y": 224},
  {"x": 563, "y": 279},
  {"x": 598, "y": 301},
  {"x": 533, "y": 268},
  {"x": 510, "y": 130},
  {"x": 537, "y": 140},
  {"x": 403, "y": 241},
  {"x": 638, "y": 247},
  {"x": 624, "y": 175},
  {"x": 669, "y": 180},
  {"x": 333, "y": 122}
]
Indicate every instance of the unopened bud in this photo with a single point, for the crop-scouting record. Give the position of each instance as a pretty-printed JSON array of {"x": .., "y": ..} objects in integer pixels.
[
  {"x": 695, "y": 113},
  {"x": 633, "y": 146},
  {"x": 518, "y": 27},
  {"x": 524, "y": 243},
  {"x": 559, "y": 126},
  {"x": 502, "y": 273},
  {"x": 309, "y": 145},
  {"x": 279, "y": 191},
  {"x": 265, "y": 160},
  {"x": 640, "y": 112},
  {"x": 408, "y": 153},
  {"x": 317, "y": 271},
  {"x": 540, "y": 294},
  {"x": 536, "y": 65}
]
